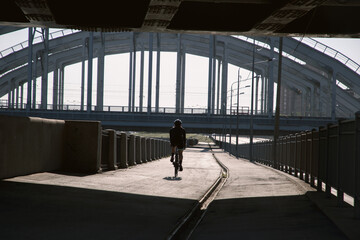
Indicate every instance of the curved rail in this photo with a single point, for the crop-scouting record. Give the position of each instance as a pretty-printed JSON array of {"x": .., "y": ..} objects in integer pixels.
[
  {"x": 25, "y": 44},
  {"x": 191, "y": 220},
  {"x": 332, "y": 53}
]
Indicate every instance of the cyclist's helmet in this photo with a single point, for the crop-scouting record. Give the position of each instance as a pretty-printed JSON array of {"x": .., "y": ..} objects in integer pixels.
[{"x": 177, "y": 122}]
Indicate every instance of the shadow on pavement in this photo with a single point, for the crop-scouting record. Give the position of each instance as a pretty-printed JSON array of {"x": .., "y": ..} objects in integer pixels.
[
  {"x": 35, "y": 211},
  {"x": 284, "y": 217},
  {"x": 173, "y": 178}
]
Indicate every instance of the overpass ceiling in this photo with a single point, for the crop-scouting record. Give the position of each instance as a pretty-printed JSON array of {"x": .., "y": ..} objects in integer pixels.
[{"x": 334, "y": 18}]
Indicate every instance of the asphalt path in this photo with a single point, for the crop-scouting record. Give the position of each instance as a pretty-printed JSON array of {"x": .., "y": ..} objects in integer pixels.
[
  {"x": 141, "y": 202},
  {"x": 258, "y": 202}
]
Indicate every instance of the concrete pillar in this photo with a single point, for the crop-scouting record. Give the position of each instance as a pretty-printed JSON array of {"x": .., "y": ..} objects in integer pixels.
[
  {"x": 89, "y": 76},
  {"x": 148, "y": 149},
  {"x": 150, "y": 71},
  {"x": 112, "y": 150},
  {"x": 100, "y": 75},
  {"x": 153, "y": 148},
  {"x": 218, "y": 88},
  {"x": 138, "y": 150},
  {"x": 22, "y": 96},
  {"x": 123, "y": 150},
  {"x": 143, "y": 150},
  {"x": 131, "y": 153},
  {"x": 44, "y": 69}
]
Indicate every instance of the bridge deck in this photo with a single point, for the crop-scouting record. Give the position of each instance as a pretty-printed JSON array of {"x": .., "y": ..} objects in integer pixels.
[{"x": 143, "y": 202}]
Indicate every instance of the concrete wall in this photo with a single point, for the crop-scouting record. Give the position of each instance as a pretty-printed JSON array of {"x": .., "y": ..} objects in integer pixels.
[{"x": 29, "y": 145}]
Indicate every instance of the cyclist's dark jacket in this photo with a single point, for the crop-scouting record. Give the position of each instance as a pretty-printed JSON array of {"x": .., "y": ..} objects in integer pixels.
[{"x": 178, "y": 137}]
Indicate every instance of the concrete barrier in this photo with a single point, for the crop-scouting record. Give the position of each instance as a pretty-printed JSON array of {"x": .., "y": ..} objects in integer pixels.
[
  {"x": 112, "y": 150},
  {"x": 144, "y": 149},
  {"x": 139, "y": 150},
  {"x": 29, "y": 145},
  {"x": 131, "y": 145},
  {"x": 82, "y": 146},
  {"x": 123, "y": 150},
  {"x": 148, "y": 149}
]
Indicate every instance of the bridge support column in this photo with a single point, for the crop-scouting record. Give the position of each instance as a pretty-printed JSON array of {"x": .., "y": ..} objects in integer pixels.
[
  {"x": 333, "y": 95},
  {"x": 157, "y": 72},
  {"x": 131, "y": 58},
  {"x": 34, "y": 82},
  {"x": 31, "y": 33},
  {"x": 61, "y": 88},
  {"x": 151, "y": 37},
  {"x": 90, "y": 66},
  {"x": 55, "y": 88},
  {"x": 44, "y": 69},
  {"x": 22, "y": 96},
  {"x": 270, "y": 101},
  {"x": 100, "y": 75},
  {"x": 224, "y": 82},
  {"x": 83, "y": 76},
  {"x": 211, "y": 79},
  {"x": 133, "y": 75},
  {"x": 141, "y": 93}
]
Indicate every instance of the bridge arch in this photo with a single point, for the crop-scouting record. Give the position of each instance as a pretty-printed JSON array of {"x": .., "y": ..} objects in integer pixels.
[{"x": 311, "y": 80}]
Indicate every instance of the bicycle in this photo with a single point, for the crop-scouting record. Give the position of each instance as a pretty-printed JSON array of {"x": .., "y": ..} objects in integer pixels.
[{"x": 176, "y": 162}]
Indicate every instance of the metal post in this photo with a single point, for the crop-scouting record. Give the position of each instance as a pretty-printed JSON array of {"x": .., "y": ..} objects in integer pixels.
[
  {"x": 218, "y": 88},
  {"x": 237, "y": 114},
  {"x": 31, "y": 33},
  {"x": 90, "y": 66},
  {"x": 34, "y": 82},
  {"x": 213, "y": 76},
  {"x": 277, "y": 111},
  {"x": 151, "y": 38}
]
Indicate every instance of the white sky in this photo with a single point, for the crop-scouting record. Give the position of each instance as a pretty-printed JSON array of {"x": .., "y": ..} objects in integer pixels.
[{"x": 117, "y": 78}]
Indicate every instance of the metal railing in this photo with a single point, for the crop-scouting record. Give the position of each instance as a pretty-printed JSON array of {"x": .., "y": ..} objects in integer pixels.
[
  {"x": 38, "y": 39},
  {"x": 327, "y": 158},
  {"x": 332, "y": 53}
]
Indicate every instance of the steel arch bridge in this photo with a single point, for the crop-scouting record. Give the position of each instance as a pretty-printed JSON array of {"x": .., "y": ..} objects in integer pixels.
[{"x": 315, "y": 83}]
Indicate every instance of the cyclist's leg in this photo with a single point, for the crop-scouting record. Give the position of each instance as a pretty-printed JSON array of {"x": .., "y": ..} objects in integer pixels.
[
  {"x": 180, "y": 158},
  {"x": 173, "y": 149}
]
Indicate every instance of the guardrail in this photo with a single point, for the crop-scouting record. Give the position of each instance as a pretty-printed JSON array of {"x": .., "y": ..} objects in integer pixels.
[{"x": 327, "y": 158}]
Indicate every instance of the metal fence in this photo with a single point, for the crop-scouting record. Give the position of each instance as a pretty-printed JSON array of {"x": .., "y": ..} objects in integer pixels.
[{"x": 327, "y": 158}]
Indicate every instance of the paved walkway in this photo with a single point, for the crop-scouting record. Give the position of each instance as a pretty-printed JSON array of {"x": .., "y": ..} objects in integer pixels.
[
  {"x": 142, "y": 202},
  {"x": 258, "y": 202},
  {"x": 145, "y": 202}
]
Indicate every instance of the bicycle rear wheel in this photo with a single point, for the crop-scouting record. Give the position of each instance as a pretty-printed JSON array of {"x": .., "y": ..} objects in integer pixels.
[{"x": 176, "y": 164}]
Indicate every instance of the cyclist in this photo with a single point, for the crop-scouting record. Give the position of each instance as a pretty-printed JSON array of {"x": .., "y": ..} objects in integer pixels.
[{"x": 177, "y": 139}]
